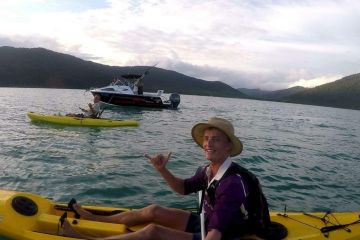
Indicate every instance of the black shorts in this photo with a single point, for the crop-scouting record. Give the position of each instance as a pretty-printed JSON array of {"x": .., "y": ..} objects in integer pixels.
[{"x": 194, "y": 226}]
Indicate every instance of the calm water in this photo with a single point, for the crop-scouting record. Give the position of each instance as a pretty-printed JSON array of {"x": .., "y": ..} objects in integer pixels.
[{"x": 306, "y": 157}]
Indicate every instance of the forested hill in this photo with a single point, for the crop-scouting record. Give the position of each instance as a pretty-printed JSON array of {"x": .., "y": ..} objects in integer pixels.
[
  {"x": 271, "y": 95},
  {"x": 343, "y": 93},
  {"x": 39, "y": 67}
]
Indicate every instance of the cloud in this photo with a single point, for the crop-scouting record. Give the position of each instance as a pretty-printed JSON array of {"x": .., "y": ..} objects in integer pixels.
[
  {"x": 269, "y": 80},
  {"x": 21, "y": 41},
  {"x": 269, "y": 44},
  {"x": 309, "y": 83},
  {"x": 30, "y": 42}
]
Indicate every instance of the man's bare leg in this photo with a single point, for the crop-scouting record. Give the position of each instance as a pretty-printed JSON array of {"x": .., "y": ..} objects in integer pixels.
[
  {"x": 150, "y": 232},
  {"x": 168, "y": 217}
]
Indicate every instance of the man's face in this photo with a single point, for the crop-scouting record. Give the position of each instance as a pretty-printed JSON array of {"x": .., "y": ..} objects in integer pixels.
[{"x": 217, "y": 146}]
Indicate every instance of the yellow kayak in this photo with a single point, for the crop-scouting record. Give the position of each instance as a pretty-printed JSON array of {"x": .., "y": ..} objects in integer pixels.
[
  {"x": 78, "y": 121},
  {"x": 28, "y": 216}
]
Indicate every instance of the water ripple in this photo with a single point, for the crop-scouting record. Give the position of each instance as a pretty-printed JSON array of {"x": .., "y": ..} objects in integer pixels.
[{"x": 306, "y": 157}]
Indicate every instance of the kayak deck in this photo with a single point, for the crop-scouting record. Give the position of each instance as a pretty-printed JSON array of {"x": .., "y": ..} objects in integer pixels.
[
  {"x": 43, "y": 223},
  {"x": 78, "y": 121}
]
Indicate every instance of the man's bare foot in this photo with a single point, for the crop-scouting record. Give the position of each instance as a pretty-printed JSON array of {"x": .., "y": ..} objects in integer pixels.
[
  {"x": 84, "y": 213},
  {"x": 67, "y": 230}
]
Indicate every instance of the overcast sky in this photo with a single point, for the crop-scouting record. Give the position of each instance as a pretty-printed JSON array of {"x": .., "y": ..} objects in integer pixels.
[{"x": 269, "y": 44}]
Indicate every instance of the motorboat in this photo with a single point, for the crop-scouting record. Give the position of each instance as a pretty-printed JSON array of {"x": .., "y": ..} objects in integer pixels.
[{"x": 124, "y": 92}]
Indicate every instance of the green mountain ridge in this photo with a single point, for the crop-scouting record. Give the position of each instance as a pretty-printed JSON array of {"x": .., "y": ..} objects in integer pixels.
[
  {"x": 39, "y": 67},
  {"x": 42, "y": 68},
  {"x": 342, "y": 93},
  {"x": 271, "y": 95}
]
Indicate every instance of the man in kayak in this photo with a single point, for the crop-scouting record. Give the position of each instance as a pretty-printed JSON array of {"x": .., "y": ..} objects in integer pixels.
[
  {"x": 225, "y": 201},
  {"x": 93, "y": 110}
]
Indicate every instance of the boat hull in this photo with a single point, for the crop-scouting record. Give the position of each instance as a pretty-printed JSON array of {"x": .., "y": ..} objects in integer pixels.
[
  {"x": 39, "y": 220},
  {"x": 135, "y": 100},
  {"x": 76, "y": 121}
]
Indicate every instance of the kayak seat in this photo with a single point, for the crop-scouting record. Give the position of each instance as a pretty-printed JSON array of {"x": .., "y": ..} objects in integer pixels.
[{"x": 276, "y": 231}]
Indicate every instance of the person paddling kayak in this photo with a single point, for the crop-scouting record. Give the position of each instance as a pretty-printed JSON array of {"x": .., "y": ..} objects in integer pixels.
[{"x": 93, "y": 110}]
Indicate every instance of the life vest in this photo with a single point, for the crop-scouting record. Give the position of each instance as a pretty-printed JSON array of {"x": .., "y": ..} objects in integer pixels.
[{"x": 258, "y": 209}]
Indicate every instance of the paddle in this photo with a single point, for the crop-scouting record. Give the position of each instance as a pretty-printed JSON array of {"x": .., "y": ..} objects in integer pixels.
[
  {"x": 202, "y": 217},
  {"x": 99, "y": 115}
]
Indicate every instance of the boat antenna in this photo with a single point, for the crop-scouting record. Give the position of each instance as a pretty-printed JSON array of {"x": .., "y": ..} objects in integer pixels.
[{"x": 147, "y": 71}]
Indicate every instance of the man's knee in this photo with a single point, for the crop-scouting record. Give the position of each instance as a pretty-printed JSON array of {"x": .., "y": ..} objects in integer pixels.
[
  {"x": 151, "y": 231},
  {"x": 151, "y": 211}
]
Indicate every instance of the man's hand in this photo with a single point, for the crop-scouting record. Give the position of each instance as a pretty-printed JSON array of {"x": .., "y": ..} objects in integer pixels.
[
  {"x": 159, "y": 161},
  {"x": 213, "y": 234}
]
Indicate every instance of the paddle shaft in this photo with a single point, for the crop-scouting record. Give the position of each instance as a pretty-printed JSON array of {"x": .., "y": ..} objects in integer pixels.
[{"x": 202, "y": 216}]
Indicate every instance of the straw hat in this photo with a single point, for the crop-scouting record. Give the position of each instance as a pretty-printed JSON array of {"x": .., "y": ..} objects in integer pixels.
[{"x": 225, "y": 126}]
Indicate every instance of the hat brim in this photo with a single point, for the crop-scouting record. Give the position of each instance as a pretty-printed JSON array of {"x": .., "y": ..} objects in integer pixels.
[{"x": 198, "y": 130}]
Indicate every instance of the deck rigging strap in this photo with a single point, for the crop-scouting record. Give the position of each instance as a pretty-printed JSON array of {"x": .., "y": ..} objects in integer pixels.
[
  {"x": 326, "y": 219},
  {"x": 287, "y": 216},
  {"x": 336, "y": 227},
  {"x": 327, "y": 229}
]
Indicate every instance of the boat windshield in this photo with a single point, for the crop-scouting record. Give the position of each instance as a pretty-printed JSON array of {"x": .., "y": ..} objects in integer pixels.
[{"x": 122, "y": 82}]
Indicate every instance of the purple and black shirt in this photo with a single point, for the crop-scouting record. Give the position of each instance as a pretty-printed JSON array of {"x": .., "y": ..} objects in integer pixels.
[{"x": 228, "y": 212}]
